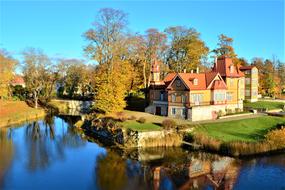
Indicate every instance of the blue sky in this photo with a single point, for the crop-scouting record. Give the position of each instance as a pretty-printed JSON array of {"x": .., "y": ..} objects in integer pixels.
[{"x": 57, "y": 27}]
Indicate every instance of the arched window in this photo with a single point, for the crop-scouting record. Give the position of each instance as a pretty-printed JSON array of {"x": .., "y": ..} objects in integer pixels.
[{"x": 195, "y": 82}]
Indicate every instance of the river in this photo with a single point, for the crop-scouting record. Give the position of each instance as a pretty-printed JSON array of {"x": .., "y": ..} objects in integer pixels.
[{"x": 52, "y": 154}]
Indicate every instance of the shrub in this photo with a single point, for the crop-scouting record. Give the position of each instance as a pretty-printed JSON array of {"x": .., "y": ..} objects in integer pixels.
[
  {"x": 121, "y": 116},
  {"x": 229, "y": 111},
  {"x": 220, "y": 113},
  {"x": 132, "y": 117},
  {"x": 169, "y": 124},
  {"x": 276, "y": 137},
  {"x": 141, "y": 120},
  {"x": 237, "y": 110}
]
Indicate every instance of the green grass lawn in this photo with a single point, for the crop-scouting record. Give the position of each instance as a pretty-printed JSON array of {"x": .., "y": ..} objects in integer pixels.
[
  {"x": 136, "y": 126},
  {"x": 265, "y": 104},
  {"x": 249, "y": 130}
]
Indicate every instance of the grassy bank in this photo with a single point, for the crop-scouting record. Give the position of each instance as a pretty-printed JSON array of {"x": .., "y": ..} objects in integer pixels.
[
  {"x": 14, "y": 112},
  {"x": 242, "y": 137},
  {"x": 136, "y": 126},
  {"x": 248, "y": 130},
  {"x": 270, "y": 105}
]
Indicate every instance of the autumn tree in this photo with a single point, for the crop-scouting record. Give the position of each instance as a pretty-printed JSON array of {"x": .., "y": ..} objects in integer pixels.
[
  {"x": 75, "y": 77},
  {"x": 269, "y": 73},
  {"x": 39, "y": 74},
  {"x": 155, "y": 49},
  {"x": 225, "y": 46},
  {"x": 281, "y": 76},
  {"x": 7, "y": 66},
  {"x": 108, "y": 47},
  {"x": 137, "y": 58},
  {"x": 186, "y": 49}
]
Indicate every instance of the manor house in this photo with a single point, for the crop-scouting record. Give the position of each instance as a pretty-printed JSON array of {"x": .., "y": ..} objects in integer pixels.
[{"x": 202, "y": 96}]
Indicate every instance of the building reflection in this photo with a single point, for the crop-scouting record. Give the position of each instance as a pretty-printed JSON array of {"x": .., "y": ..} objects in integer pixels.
[
  {"x": 175, "y": 169},
  {"x": 218, "y": 173}
]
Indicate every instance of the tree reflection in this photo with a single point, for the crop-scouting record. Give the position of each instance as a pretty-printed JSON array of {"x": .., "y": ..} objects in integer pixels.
[
  {"x": 46, "y": 142},
  {"x": 111, "y": 171},
  {"x": 6, "y": 153}
]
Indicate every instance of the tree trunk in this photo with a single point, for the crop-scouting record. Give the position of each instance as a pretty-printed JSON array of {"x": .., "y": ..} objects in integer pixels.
[
  {"x": 144, "y": 74},
  {"x": 36, "y": 99}
]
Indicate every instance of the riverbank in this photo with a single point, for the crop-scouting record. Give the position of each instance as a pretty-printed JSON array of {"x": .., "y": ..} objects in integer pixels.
[
  {"x": 15, "y": 112},
  {"x": 261, "y": 135}
]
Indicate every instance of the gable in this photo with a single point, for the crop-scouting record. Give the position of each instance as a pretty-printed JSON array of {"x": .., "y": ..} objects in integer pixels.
[
  {"x": 177, "y": 84},
  {"x": 217, "y": 82}
]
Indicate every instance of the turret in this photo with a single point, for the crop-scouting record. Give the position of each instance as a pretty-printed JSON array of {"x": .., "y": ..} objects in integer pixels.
[{"x": 155, "y": 72}]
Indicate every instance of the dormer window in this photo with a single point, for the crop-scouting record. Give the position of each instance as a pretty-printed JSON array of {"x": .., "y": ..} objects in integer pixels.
[{"x": 195, "y": 82}]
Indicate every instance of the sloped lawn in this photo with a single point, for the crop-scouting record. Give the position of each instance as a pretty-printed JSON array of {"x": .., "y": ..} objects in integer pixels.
[
  {"x": 249, "y": 130},
  {"x": 136, "y": 126},
  {"x": 265, "y": 104}
]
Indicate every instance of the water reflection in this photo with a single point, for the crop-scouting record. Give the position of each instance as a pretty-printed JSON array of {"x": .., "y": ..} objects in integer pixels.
[
  {"x": 6, "y": 152},
  {"x": 173, "y": 169},
  {"x": 44, "y": 145},
  {"x": 52, "y": 154}
]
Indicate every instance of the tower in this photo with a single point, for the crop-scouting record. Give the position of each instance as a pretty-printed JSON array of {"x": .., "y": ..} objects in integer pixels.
[{"x": 155, "y": 72}]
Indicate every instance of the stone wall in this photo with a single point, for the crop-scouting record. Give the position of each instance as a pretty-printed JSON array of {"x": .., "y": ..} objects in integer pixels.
[
  {"x": 126, "y": 138},
  {"x": 199, "y": 113}
]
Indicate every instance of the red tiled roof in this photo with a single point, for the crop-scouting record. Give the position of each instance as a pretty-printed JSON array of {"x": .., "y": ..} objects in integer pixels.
[
  {"x": 18, "y": 80},
  {"x": 169, "y": 77},
  {"x": 188, "y": 79},
  {"x": 203, "y": 80}
]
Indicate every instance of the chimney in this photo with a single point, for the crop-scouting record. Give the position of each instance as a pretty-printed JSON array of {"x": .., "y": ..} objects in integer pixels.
[
  {"x": 197, "y": 70},
  {"x": 184, "y": 70}
]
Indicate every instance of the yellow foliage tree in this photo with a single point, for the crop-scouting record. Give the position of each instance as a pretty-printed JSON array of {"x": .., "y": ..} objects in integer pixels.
[{"x": 7, "y": 66}]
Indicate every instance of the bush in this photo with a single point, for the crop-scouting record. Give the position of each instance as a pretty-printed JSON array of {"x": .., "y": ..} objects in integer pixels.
[
  {"x": 169, "y": 124},
  {"x": 132, "y": 117},
  {"x": 121, "y": 116},
  {"x": 229, "y": 111},
  {"x": 220, "y": 113},
  {"x": 141, "y": 120},
  {"x": 237, "y": 110}
]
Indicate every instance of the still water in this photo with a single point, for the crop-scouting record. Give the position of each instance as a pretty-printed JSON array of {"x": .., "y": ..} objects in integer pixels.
[{"x": 51, "y": 154}]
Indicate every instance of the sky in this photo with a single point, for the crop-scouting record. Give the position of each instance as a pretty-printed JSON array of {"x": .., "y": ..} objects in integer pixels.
[{"x": 56, "y": 27}]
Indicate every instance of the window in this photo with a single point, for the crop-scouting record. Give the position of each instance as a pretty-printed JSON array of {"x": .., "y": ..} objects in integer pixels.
[
  {"x": 229, "y": 96},
  {"x": 173, "y": 98},
  {"x": 254, "y": 82},
  {"x": 247, "y": 92},
  {"x": 231, "y": 82},
  {"x": 219, "y": 96},
  {"x": 161, "y": 96},
  {"x": 195, "y": 82},
  {"x": 173, "y": 111},
  {"x": 247, "y": 80},
  {"x": 247, "y": 72},
  {"x": 178, "y": 83},
  {"x": 183, "y": 97},
  {"x": 254, "y": 71},
  {"x": 241, "y": 82},
  {"x": 197, "y": 98},
  {"x": 184, "y": 112}
]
